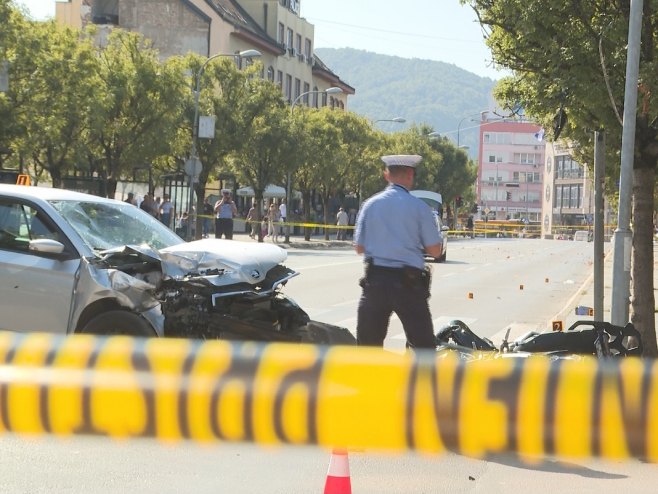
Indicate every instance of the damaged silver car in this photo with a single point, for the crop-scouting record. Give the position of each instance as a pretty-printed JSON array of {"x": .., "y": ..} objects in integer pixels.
[{"x": 76, "y": 263}]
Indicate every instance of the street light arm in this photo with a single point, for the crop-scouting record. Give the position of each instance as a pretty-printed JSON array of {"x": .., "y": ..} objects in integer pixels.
[{"x": 331, "y": 90}]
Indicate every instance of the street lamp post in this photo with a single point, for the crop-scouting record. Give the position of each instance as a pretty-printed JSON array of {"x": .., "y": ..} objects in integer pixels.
[
  {"x": 195, "y": 168},
  {"x": 459, "y": 127},
  {"x": 331, "y": 90},
  {"x": 496, "y": 215}
]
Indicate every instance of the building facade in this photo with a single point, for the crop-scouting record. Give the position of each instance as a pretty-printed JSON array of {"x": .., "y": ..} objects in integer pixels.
[
  {"x": 509, "y": 183},
  {"x": 209, "y": 27},
  {"x": 568, "y": 202}
]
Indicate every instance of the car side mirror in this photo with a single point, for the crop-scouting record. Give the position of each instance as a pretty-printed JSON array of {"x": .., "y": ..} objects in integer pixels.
[
  {"x": 46, "y": 246},
  {"x": 445, "y": 228}
]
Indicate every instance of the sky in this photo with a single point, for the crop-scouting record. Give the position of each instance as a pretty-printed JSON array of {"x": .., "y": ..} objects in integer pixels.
[{"x": 439, "y": 30}]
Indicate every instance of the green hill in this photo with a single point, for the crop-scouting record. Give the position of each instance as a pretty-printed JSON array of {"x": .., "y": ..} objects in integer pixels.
[{"x": 421, "y": 91}]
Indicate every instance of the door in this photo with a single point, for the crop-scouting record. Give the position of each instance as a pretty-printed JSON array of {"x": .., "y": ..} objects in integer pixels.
[{"x": 36, "y": 289}]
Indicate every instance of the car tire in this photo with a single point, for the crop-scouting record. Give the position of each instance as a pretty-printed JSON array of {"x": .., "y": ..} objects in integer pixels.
[
  {"x": 320, "y": 333},
  {"x": 118, "y": 322}
]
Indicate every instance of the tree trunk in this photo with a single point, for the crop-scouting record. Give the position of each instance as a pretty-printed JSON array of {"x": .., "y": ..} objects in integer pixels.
[
  {"x": 111, "y": 187},
  {"x": 200, "y": 189},
  {"x": 258, "y": 197},
  {"x": 325, "y": 202},
  {"x": 306, "y": 195},
  {"x": 642, "y": 296}
]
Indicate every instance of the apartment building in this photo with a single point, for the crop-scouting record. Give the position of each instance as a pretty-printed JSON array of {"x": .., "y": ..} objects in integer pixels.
[
  {"x": 509, "y": 183},
  {"x": 568, "y": 202},
  {"x": 209, "y": 27}
]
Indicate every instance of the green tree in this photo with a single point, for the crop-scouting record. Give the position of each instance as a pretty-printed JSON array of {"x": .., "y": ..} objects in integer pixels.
[
  {"x": 354, "y": 152},
  {"x": 62, "y": 91},
  {"x": 18, "y": 47},
  {"x": 224, "y": 93},
  {"x": 138, "y": 106},
  {"x": 568, "y": 61},
  {"x": 267, "y": 142}
]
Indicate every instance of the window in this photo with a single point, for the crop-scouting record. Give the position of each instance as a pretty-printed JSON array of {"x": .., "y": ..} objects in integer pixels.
[
  {"x": 281, "y": 33},
  {"x": 19, "y": 224},
  {"x": 289, "y": 39},
  {"x": 307, "y": 48},
  {"x": 316, "y": 97},
  {"x": 492, "y": 158},
  {"x": 497, "y": 138},
  {"x": 307, "y": 87},
  {"x": 298, "y": 44},
  {"x": 298, "y": 88},
  {"x": 279, "y": 79},
  {"x": 289, "y": 88},
  {"x": 270, "y": 73},
  {"x": 105, "y": 12}
]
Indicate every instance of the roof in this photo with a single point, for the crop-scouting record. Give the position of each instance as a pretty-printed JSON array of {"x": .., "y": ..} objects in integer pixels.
[
  {"x": 233, "y": 13},
  {"x": 48, "y": 193},
  {"x": 247, "y": 27}
]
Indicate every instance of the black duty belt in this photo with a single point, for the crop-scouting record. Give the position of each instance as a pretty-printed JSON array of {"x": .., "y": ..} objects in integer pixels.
[{"x": 384, "y": 269}]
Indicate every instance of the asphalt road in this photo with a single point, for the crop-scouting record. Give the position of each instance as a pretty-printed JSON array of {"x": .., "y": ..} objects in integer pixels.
[{"x": 552, "y": 274}]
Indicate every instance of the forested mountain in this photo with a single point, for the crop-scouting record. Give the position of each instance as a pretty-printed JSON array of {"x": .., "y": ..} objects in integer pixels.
[{"x": 421, "y": 91}]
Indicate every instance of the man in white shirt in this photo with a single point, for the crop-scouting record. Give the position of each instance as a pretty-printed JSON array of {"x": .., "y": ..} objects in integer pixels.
[{"x": 282, "y": 215}]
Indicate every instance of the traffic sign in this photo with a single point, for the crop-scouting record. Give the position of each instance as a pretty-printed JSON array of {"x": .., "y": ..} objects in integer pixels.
[
  {"x": 557, "y": 325},
  {"x": 193, "y": 167}
]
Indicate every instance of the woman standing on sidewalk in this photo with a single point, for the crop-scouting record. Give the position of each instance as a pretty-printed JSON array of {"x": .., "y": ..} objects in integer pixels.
[{"x": 272, "y": 220}]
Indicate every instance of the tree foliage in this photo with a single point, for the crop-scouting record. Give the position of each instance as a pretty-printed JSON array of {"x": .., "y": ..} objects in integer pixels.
[
  {"x": 138, "y": 105},
  {"x": 569, "y": 61}
]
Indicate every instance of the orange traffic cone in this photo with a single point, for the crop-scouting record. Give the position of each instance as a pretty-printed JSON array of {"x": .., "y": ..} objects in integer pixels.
[{"x": 338, "y": 476}]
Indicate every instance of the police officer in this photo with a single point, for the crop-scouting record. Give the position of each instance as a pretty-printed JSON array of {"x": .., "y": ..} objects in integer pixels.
[{"x": 395, "y": 230}]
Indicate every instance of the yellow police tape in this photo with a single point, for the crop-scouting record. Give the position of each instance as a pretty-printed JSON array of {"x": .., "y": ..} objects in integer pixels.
[{"x": 329, "y": 396}]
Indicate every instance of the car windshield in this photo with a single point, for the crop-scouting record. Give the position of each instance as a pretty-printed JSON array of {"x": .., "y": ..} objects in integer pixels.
[{"x": 105, "y": 225}]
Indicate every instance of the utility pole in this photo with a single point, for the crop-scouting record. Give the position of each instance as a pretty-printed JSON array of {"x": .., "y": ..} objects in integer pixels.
[
  {"x": 621, "y": 271},
  {"x": 599, "y": 181}
]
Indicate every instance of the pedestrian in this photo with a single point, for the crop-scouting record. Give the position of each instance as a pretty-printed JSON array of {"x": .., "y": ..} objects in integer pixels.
[
  {"x": 341, "y": 223},
  {"x": 394, "y": 231},
  {"x": 155, "y": 209},
  {"x": 207, "y": 216},
  {"x": 469, "y": 226},
  {"x": 283, "y": 214},
  {"x": 181, "y": 224},
  {"x": 165, "y": 210},
  {"x": 225, "y": 210},
  {"x": 131, "y": 199},
  {"x": 272, "y": 220},
  {"x": 252, "y": 220},
  {"x": 147, "y": 204}
]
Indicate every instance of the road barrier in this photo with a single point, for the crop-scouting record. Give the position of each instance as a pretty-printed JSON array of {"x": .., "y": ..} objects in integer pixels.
[{"x": 344, "y": 397}]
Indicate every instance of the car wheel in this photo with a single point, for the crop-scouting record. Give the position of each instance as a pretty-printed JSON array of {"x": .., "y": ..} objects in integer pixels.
[
  {"x": 321, "y": 333},
  {"x": 118, "y": 322},
  {"x": 443, "y": 256}
]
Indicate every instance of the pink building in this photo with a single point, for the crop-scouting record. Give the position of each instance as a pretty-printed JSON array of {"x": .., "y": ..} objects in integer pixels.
[{"x": 510, "y": 172}]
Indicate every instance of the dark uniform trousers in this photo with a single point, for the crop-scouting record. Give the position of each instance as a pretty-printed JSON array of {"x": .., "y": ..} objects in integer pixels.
[
  {"x": 224, "y": 226},
  {"x": 401, "y": 290}
]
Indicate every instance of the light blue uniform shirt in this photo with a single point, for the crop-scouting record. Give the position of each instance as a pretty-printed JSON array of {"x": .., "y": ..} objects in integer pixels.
[{"x": 394, "y": 228}]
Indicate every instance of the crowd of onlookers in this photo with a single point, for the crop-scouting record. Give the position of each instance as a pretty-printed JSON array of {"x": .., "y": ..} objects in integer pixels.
[{"x": 271, "y": 224}]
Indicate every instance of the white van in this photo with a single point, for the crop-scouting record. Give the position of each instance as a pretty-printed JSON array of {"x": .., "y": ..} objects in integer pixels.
[{"x": 435, "y": 202}]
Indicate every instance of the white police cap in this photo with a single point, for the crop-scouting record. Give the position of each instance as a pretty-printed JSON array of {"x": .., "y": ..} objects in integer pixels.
[{"x": 410, "y": 160}]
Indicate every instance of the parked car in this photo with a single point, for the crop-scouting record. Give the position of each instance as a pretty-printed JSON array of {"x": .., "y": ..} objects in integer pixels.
[
  {"x": 76, "y": 263},
  {"x": 435, "y": 202}
]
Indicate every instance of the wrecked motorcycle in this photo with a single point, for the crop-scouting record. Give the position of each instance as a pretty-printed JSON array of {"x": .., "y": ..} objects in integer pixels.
[{"x": 597, "y": 338}]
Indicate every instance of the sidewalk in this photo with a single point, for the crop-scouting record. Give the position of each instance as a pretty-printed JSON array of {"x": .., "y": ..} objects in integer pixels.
[
  {"x": 298, "y": 241},
  {"x": 585, "y": 294}
]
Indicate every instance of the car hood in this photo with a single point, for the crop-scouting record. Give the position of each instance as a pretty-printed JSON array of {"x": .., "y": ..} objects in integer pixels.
[{"x": 239, "y": 261}]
